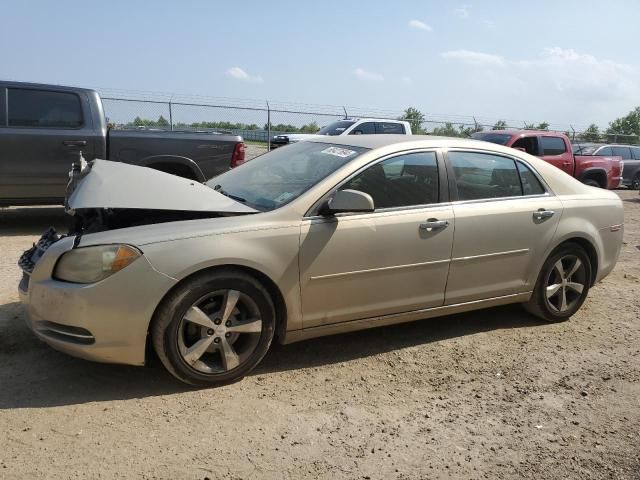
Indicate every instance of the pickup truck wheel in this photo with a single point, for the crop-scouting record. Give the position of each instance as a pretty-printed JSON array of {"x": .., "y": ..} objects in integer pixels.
[
  {"x": 591, "y": 182},
  {"x": 635, "y": 183},
  {"x": 562, "y": 285},
  {"x": 215, "y": 328}
]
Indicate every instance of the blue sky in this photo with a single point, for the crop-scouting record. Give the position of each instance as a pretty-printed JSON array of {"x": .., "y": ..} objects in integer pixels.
[{"x": 564, "y": 62}]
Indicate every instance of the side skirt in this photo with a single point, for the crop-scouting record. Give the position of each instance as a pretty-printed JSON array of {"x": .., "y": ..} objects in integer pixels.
[{"x": 344, "y": 327}]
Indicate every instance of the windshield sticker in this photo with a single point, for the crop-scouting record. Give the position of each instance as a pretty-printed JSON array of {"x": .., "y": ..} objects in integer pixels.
[{"x": 338, "y": 152}]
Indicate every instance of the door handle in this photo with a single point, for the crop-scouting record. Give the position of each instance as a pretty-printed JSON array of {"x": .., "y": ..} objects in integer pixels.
[
  {"x": 74, "y": 143},
  {"x": 434, "y": 224},
  {"x": 542, "y": 213}
]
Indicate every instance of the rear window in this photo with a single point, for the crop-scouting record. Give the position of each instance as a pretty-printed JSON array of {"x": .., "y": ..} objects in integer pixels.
[
  {"x": 552, "y": 146},
  {"x": 499, "y": 138},
  {"x": 40, "y": 108},
  {"x": 390, "y": 128}
]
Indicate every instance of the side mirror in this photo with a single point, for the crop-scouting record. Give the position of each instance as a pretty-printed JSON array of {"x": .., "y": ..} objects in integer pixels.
[{"x": 348, "y": 201}]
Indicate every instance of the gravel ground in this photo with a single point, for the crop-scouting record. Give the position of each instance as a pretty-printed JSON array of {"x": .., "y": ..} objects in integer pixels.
[{"x": 489, "y": 394}]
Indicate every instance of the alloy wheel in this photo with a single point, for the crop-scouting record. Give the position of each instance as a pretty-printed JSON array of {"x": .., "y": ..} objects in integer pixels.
[
  {"x": 565, "y": 283},
  {"x": 219, "y": 331}
]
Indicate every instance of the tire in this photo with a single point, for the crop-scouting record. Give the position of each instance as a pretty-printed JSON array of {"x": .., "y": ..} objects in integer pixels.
[
  {"x": 214, "y": 328},
  {"x": 591, "y": 182},
  {"x": 547, "y": 305},
  {"x": 635, "y": 183}
]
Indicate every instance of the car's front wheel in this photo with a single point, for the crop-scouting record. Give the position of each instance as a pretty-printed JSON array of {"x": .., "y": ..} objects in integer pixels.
[
  {"x": 563, "y": 284},
  {"x": 214, "y": 328}
]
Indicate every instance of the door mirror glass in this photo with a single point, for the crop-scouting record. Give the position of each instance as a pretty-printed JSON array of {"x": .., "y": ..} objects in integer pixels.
[{"x": 348, "y": 201}]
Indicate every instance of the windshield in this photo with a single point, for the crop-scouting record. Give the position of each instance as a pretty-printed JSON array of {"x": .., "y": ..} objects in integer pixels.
[
  {"x": 499, "y": 138},
  {"x": 335, "y": 128},
  {"x": 282, "y": 175},
  {"x": 584, "y": 149}
]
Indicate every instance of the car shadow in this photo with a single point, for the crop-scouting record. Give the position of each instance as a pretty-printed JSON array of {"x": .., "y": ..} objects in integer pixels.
[
  {"x": 19, "y": 221},
  {"x": 34, "y": 375}
]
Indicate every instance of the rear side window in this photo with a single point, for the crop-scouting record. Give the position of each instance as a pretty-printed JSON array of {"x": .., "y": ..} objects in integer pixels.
[
  {"x": 623, "y": 152},
  {"x": 636, "y": 153},
  {"x": 390, "y": 128},
  {"x": 482, "y": 175},
  {"x": 530, "y": 183},
  {"x": 553, "y": 146},
  {"x": 40, "y": 108},
  {"x": 366, "y": 128}
]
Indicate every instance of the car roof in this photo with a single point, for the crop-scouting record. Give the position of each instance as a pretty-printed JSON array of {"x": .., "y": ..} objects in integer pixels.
[
  {"x": 43, "y": 86},
  {"x": 377, "y": 141},
  {"x": 373, "y": 119}
]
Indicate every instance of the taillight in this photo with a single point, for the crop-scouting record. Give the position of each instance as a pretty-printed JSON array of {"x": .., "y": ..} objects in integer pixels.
[{"x": 237, "y": 158}]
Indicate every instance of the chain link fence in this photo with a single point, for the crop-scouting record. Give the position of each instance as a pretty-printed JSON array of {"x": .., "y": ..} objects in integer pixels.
[{"x": 258, "y": 121}]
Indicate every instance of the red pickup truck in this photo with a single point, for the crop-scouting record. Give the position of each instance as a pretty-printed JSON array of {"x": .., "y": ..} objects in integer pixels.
[{"x": 555, "y": 148}]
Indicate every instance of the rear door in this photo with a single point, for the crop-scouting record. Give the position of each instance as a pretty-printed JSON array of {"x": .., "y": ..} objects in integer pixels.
[
  {"x": 44, "y": 133},
  {"x": 556, "y": 152},
  {"x": 505, "y": 218}
]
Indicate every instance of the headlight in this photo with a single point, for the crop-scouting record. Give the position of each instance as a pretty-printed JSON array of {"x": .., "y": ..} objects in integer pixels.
[{"x": 92, "y": 264}]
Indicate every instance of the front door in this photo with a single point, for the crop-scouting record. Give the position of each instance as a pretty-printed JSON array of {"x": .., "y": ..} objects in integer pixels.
[
  {"x": 505, "y": 220},
  {"x": 392, "y": 260}
]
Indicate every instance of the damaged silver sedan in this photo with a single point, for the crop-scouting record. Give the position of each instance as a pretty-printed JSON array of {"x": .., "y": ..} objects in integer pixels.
[{"x": 320, "y": 237}]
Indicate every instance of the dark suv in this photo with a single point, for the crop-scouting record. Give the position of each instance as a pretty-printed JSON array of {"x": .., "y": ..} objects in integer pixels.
[{"x": 630, "y": 156}]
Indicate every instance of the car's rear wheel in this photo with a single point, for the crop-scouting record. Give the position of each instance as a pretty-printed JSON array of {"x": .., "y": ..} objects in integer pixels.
[
  {"x": 592, "y": 182},
  {"x": 635, "y": 183},
  {"x": 215, "y": 328},
  {"x": 563, "y": 284}
]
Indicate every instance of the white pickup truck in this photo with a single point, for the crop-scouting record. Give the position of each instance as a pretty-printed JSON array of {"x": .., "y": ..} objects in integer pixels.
[{"x": 348, "y": 126}]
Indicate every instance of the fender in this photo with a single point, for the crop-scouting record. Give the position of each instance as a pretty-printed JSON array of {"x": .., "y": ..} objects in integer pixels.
[
  {"x": 593, "y": 170},
  {"x": 174, "y": 160}
]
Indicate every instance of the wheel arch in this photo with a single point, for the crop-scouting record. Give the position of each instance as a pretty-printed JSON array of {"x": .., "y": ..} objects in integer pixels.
[
  {"x": 596, "y": 173},
  {"x": 590, "y": 250},
  {"x": 276, "y": 295},
  {"x": 174, "y": 164}
]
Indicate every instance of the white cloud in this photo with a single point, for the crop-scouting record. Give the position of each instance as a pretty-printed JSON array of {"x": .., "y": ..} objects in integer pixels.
[
  {"x": 462, "y": 12},
  {"x": 368, "y": 76},
  {"x": 239, "y": 74},
  {"x": 474, "y": 58},
  {"x": 581, "y": 75},
  {"x": 420, "y": 25}
]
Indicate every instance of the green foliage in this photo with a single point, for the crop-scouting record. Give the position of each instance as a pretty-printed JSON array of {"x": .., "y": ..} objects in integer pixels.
[
  {"x": 415, "y": 118},
  {"x": 629, "y": 126},
  {"x": 591, "y": 134},
  {"x": 500, "y": 125},
  {"x": 540, "y": 126},
  {"x": 449, "y": 130}
]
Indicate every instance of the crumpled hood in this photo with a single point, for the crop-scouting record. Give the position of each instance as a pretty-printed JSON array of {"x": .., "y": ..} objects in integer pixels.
[{"x": 110, "y": 184}]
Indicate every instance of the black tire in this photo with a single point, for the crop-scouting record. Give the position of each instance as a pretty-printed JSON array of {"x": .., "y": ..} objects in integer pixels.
[
  {"x": 549, "y": 308},
  {"x": 592, "y": 182},
  {"x": 635, "y": 183},
  {"x": 168, "y": 326}
]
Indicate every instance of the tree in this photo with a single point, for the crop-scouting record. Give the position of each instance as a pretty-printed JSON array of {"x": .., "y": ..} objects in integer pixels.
[
  {"x": 312, "y": 127},
  {"x": 415, "y": 117},
  {"x": 162, "y": 122},
  {"x": 449, "y": 130},
  {"x": 540, "y": 126},
  {"x": 591, "y": 134},
  {"x": 500, "y": 125},
  {"x": 627, "y": 127}
]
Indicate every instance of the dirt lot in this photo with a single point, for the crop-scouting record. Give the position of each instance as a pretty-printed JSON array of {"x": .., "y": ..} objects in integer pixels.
[{"x": 491, "y": 394}]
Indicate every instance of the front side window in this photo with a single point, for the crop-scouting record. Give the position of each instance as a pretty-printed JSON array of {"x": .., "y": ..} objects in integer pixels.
[
  {"x": 366, "y": 128},
  {"x": 390, "y": 128},
  {"x": 623, "y": 152},
  {"x": 552, "y": 146},
  {"x": 39, "y": 108},
  {"x": 406, "y": 180},
  {"x": 282, "y": 175},
  {"x": 482, "y": 175}
]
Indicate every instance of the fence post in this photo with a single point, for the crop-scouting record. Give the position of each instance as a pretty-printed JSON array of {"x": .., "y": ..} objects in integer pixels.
[
  {"x": 170, "y": 116},
  {"x": 268, "y": 127},
  {"x": 345, "y": 112}
]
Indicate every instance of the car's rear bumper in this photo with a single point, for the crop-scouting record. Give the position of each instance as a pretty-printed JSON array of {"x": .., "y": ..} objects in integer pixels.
[{"x": 105, "y": 321}]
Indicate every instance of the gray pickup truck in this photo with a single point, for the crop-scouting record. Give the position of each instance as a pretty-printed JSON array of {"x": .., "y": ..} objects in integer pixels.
[{"x": 43, "y": 128}]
